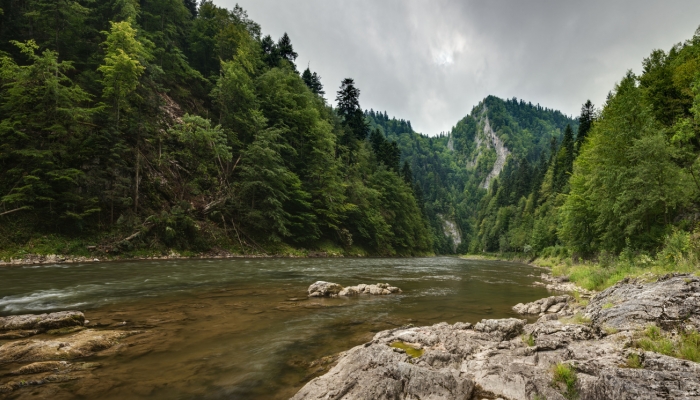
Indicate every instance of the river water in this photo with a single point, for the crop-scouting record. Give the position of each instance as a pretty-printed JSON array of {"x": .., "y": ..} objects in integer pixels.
[{"x": 243, "y": 328}]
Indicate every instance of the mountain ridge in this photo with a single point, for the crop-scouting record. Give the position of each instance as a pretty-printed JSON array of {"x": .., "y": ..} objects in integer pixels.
[{"x": 455, "y": 170}]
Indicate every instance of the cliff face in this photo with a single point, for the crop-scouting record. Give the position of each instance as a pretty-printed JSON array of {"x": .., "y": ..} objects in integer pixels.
[
  {"x": 510, "y": 359},
  {"x": 492, "y": 141}
]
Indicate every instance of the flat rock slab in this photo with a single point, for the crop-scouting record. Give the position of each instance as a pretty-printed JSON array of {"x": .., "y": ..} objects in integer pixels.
[
  {"x": 41, "y": 322},
  {"x": 81, "y": 344},
  {"x": 551, "y": 304},
  {"x": 630, "y": 305}
]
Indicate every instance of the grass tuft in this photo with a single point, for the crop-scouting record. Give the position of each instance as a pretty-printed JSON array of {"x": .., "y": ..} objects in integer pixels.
[
  {"x": 529, "y": 340},
  {"x": 565, "y": 375},
  {"x": 634, "y": 361},
  {"x": 577, "y": 318},
  {"x": 686, "y": 345}
]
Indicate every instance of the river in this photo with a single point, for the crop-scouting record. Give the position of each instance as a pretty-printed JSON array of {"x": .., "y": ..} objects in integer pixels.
[{"x": 243, "y": 328}]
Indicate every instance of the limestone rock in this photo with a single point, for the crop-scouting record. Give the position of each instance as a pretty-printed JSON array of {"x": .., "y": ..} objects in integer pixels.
[
  {"x": 630, "y": 306},
  {"x": 328, "y": 289},
  {"x": 41, "y": 322},
  {"x": 42, "y": 366},
  {"x": 552, "y": 304},
  {"x": 324, "y": 289},
  {"x": 378, "y": 289},
  {"x": 82, "y": 344},
  {"x": 493, "y": 360},
  {"x": 505, "y": 328}
]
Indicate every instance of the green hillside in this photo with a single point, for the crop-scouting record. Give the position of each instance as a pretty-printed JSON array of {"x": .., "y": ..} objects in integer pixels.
[
  {"x": 452, "y": 171},
  {"x": 144, "y": 127}
]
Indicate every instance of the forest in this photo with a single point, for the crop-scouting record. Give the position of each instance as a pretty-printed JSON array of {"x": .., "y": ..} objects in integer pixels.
[
  {"x": 146, "y": 127},
  {"x": 624, "y": 184},
  {"x": 610, "y": 193}
]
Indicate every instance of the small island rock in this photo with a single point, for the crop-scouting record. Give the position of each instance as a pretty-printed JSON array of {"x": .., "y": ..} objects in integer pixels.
[{"x": 329, "y": 289}]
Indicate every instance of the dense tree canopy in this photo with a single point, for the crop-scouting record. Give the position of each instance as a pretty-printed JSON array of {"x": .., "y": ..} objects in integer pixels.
[{"x": 149, "y": 125}]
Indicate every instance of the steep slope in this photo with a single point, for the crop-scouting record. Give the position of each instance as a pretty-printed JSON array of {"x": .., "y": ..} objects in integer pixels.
[
  {"x": 493, "y": 142},
  {"x": 455, "y": 171}
]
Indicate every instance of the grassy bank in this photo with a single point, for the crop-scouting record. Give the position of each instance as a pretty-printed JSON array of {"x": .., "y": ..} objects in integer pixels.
[
  {"x": 679, "y": 254},
  {"x": 114, "y": 247}
]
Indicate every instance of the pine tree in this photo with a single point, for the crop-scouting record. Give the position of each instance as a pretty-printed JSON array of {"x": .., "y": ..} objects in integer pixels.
[
  {"x": 286, "y": 50},
  {"x": 407, "y": 174},
  {"x": 585, "y": 121},
  {"x": 349, "y": 110},
  {"x": 43, "y": 114},
  {"x": 313, "y": 81},
  {"x": 270, "y": 52},
  {"x": 192, "y": 7}
]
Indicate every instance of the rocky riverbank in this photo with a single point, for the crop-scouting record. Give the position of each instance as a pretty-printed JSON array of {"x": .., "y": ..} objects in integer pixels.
[
  {"x": 36, "y": 259},
  {"x": 613, "y": 348}
]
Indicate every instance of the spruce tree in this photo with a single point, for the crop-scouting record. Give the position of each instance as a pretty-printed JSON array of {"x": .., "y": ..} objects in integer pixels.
[
  {"x": 585, "y": 121},
  {"x": 191, "y": 7},
  {"x": 349, "y": 110},
  {"x": 313, "y": 81},
  {"x": 286, "y": 51}
]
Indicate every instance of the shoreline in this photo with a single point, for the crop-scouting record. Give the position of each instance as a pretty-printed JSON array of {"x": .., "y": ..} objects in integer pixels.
[
  {"x": 37, "y": 259},
  {"x": 604, "y": 347},
  {"x": 61, "y": 259}
]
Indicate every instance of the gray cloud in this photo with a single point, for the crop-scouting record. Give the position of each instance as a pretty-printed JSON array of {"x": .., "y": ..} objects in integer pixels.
[{"x": 432, "y": 61}]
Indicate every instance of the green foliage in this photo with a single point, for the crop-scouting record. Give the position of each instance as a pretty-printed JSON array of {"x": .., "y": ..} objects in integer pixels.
[
  {"x": 43, "y": 115},
  {"x": 207, "y": 136},
  {"x": 624, "y": 191},
  {"x": 686, "y": 345},
  {"x": 565, "y": 375},
  {"x": 634, "y": 361},
  {"x": 122, "y": 66}
]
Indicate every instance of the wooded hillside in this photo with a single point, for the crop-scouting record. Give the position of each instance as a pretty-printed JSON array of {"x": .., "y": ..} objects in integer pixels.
[{"x": 145, "y": 126}]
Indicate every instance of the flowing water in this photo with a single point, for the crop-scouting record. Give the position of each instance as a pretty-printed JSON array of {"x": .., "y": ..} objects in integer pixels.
[{"x": 243, "y": 328}]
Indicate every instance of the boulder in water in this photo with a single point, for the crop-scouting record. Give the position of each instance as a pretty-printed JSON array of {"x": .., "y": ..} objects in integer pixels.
[
  {"x": 328, "y": 289},
  {"x": 324, "y": 289}
]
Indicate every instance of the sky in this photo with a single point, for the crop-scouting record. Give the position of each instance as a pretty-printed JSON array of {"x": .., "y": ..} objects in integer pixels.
[{"x": 431, "y": 62}]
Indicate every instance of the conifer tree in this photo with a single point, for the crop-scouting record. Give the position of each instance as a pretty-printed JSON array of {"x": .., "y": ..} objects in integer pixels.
[
  {"x": 585, "y": 121},
  {"x": 192, "y": 7},
  {"x": 286, "y": 50},
  {"x": 349, "y": 110},
  {"x": 407, "y": 174},
  {"x": 313, "y": 81}
]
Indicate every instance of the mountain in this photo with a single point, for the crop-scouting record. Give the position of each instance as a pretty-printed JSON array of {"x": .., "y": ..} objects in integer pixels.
[{"x": 454, "y": 172}]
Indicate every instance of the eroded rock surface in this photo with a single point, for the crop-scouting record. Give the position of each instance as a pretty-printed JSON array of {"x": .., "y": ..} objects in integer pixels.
[
  {"x": 41, "y": 322},
  {"x": 673, "y": 300},
  {"x": 328, "y": 289},
  {"x": 552, "y": 304},
  {"x": 511, "y": 360},
  {"x": 324, "y": 289},
  {"x": 81, "y": 344}
]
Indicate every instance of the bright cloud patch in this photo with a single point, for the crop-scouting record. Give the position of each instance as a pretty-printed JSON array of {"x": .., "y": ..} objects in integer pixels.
[{"x": 444, "y": 58}]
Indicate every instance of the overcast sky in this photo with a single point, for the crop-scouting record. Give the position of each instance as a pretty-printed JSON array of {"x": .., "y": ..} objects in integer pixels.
[{"x": 431, "y": 61}]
